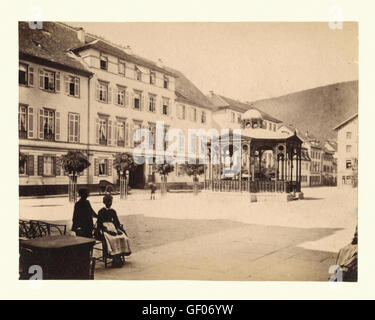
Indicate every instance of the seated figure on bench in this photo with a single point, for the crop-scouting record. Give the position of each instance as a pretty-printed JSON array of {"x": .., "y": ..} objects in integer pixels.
[{"x": 115, "y": 237}]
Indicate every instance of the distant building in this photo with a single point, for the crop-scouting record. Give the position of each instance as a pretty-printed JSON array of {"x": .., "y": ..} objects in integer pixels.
[{"x": 347, "y": 152}]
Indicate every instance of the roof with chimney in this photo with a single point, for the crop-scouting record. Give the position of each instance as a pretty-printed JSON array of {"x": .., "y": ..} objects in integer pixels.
[
  {"x": 221, "y": 102},
  {"x": 50, "y": 45}
]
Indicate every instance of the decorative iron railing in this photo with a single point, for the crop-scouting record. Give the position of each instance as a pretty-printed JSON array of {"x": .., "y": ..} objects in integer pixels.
[{"x": 252, "y": 186}]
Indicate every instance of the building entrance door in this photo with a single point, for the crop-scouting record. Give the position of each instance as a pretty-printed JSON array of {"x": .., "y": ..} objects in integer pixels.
[{"x": 137, "y": 177}]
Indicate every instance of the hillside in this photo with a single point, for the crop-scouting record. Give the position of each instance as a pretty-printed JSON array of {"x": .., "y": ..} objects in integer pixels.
[{"x": 315, "y": 110}]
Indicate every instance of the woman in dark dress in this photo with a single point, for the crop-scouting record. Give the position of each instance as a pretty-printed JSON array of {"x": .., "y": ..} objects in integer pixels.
[{"x": 82, "y": 216}]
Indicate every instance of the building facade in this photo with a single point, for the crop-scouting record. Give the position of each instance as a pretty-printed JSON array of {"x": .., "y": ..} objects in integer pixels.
[{"x": 347, "y": 152}]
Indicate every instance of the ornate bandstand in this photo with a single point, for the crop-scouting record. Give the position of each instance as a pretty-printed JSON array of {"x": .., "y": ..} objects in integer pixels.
[{"x": 270, "y": 161}]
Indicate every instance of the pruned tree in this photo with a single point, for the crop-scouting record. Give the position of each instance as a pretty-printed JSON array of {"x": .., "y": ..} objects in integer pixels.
[
  {"x": 74, "y": 162},
  {"x": 124, "y": 163},
  {"x": 194, "y": 170},
  {"x": 164, "y": 169}
]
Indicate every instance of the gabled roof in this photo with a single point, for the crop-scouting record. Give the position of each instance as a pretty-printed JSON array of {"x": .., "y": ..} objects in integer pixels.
[
  {"x": 238, "y": 106},
  {"x": 187, "y": 92},
  {"x": 50, "y": 45},
  {"x": 346, "y": 121},
  {"x": 109, "y": 48}
]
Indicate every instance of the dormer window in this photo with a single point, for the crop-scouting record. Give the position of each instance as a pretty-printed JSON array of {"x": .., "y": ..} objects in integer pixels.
[
  {"x": 103, "y": 63},
  {"x": 166, "y": 83}
]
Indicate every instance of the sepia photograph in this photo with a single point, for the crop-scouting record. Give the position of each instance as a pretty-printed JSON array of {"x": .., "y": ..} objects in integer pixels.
[{"x": 215, "y": 151}]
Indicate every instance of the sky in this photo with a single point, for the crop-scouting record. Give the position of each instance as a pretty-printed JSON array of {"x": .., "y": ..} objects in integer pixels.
[{"x": 247, "y": 61}]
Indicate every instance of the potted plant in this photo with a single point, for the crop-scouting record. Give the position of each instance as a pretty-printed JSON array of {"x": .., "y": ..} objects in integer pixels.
[
  {"x": 164, "y": 169},
  {"x": 194, "y": 170},
  {"x": 124, "y": 164},
  {"x": 74, "y": 162}
]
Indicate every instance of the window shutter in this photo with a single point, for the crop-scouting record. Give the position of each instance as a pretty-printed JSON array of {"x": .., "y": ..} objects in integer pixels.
[
  {"x": 115, "y": 133},
  {"x": 57, "y": 125},
  {"x": 96, "y": 163},
  {"x": 161, "y": 105},
  {"x": 109, "y": 94},
  {"x": 31, "y": 76},
  {"x": 97, "y": 131},
  {"x": 126, "y": 134},
  {"x": 54, "y": 165},
  {"x": 30, "y": 124},
  {"x": 131, "y": 135},
  {"x": 109, "y": 167},
  {"x": 30, "y": 165},
  {"x": 127, "y": 98},
  {"x": 40, "y": 165},
  {"x": 57, "y": 81},
  {"x": 76, "y": 87},
  {"x": 142, "y": 101},
  {"x": 41, "y": 118},
  {"x": 41, "y": 79},
  {"x": 97, "y": 91},
  {"x": 78, "y": 128},
  {"x": 109, "y": 132},
  {"x": 66, "y": 84},
  {"x": 115, "y": 95},
  {"x": 70, "y": 127}
]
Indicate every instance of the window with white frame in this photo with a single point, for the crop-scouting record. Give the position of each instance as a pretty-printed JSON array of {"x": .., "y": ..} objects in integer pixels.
[
  {"x": 22, "y": 121},
  {"x": 22, "y": 73},
  {"x": 48, "y": 123},
  {"x": 165, "y": 109},
  {"x": 348, "y": 135},
  {"x": 348, "y": 148},
  {"x": 152, "y": 103},
  {"x": 120, "y": 96},
  {"x": 121, "y": 67},
  {"x": 233, "y": 117},
  {"x": 102, "y": 131},
  {"x": 102, "y": 92},
  {"x": 192, "y": 114},
  {"x": 48, "y": 166},
  {"x": 181, "y": 112},
  {"x": 203, "y": 117},
  {"x": 152, "y": 77},
  {"x": 166, "y": 82},
  {"x": 103, "y": 167},
  {"x": 73, "y": 135},
  {"x": 49, "y": 80},
  {"x": 120, "y": 133},
  {"x": 103, "y": 62},
  {"x": 138, "y": 73},
  {"x": 137, "y": 100},
  {"x": 239, "y": 119},
  {"x": 72, "y": 86},
  {"x": 22, "y": 166}
]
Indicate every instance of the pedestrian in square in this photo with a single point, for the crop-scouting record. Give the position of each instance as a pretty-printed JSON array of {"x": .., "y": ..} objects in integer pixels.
[
  {"x": 152, "y": 189},
  {"x": 82, "y": 215}
]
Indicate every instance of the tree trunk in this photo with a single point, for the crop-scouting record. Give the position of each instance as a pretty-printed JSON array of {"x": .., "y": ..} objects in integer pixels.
[
  {"x": 72, "y": 188},
  {"x": 123, "y": 187},
  {"x": 195, "y": 184},
  {"x": 163, "y": 188}
]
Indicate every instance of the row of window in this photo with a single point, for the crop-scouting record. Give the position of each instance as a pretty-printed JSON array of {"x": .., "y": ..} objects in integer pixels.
[
  {"x": 49, "y": 80},
  {"x": 137, "y": 75},
  {"x": 191, "y": 114},
  {"x": 48, "y": 166},
  {"x": 48, "y": 127},
  {"x": 315, "y": 155}
]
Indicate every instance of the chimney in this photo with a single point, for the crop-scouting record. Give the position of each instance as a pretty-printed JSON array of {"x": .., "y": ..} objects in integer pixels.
[
  {"x": 307, "y": 133},
  {"x": 128, "y": 50},
  {"x": 81, "y": 35},
  {"x": 159, "y": 63}
]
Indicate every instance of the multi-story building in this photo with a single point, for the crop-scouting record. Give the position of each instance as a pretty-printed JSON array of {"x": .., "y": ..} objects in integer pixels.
[
  {"x": 329, "y": 164},
  {"x": 53, "y": 106},
  {"x": 347, "y": 152},
  {"x": 81, "y": 92}
]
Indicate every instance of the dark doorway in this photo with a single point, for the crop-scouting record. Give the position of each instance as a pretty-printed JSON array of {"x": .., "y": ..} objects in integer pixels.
[{"x": 137, "y": 177}]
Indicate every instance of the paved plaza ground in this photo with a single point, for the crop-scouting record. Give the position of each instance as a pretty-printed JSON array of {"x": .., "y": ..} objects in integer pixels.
[{"x": 222, "y": 236}]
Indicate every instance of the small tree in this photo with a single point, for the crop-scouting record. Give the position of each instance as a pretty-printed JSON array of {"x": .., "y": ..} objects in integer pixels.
[
  {"x": 194, "y": 170},
  {"x": 74, "y": 162},
  {"x": 164, "y": 170},
  {"x": 123, "y": 164}
]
